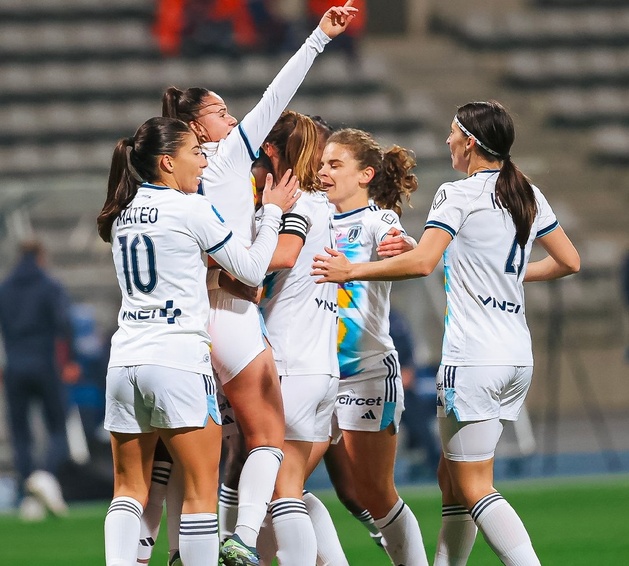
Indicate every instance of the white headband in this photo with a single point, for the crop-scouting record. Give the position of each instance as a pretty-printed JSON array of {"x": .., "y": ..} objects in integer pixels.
[{"x": 471, "y": 135}]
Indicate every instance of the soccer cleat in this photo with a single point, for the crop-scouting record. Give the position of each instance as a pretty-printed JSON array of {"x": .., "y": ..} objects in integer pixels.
[
  {"x": 45, "y": 487},
  {"x": 234, "y": 552},
  {"x": 175, "y": 559}
]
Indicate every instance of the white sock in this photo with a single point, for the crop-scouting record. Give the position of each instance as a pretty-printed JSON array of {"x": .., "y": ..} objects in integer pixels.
[
  {"x": 255, "y": 489},
  {"x": 456, "y": 537},
  {"x": 152, "y": 516},
  {"x": 400, "y": 529},
  {"x": 294, "y": 533},
  {"x": 227, "y": 511},
  {"x": 504, "y": 531},
  {"x": 267, "y": 546},
  {"x": 329, "y": 549},
  {"x": 367, "y": 521},
  {"x": 198, "y": 539},
  {"x": 174, "y": 503},
  {"x": 122, "y": 531}
]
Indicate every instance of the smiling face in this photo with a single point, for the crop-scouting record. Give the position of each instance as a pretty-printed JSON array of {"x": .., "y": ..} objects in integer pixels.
[
  {"x": 187, "y": 165},
  {"x": 459, "y": 150},
  {"x": 214, "y": 122},
  {"x": 343, "y": 180}
]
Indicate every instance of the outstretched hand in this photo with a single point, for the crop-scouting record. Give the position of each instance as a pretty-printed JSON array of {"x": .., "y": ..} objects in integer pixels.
[
  {"x": 337, "y": 18},
  {"x": 395, "y": 243},
  {"x": 285, "y": 194},
  {"x": 332, "y": 268}
]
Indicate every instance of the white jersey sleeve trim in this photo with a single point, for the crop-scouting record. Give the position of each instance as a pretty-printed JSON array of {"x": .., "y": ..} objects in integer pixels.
[
  {"x": 250, "y": 265},
  {"x": 442, "y": 225},
  {"x": 547, "y": 230}
]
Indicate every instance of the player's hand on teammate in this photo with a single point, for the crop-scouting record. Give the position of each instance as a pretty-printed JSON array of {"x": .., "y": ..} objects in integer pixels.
[
  {"x": 331, "y": 268},
  {"x": 337, "y": 18},
  {"x": 395, "y": 243},
  {"x": 237, "y": 288},
  {"x": 284, "y": 194}
]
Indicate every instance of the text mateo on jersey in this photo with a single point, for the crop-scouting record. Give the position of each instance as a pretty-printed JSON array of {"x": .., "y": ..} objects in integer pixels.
[{"x": 138, "y": 215}]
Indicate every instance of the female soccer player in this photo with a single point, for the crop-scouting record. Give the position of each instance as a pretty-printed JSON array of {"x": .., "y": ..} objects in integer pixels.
[
  {"x": 293, "y": 305},
  {"x": 356, "y": 173},
  {"x": 241, "y": 356},
  {"x": 159, "y": 381},
  {"x": 484, "y": 227}
]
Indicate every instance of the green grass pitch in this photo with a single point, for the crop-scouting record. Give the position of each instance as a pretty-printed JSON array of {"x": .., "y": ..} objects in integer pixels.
[{"x": 580, "y": 522}]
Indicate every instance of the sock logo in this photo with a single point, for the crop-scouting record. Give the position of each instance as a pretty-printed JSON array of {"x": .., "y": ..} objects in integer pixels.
[{"x": 369, "y": 415}]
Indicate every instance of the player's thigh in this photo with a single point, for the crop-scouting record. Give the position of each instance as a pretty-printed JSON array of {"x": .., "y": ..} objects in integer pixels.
[
  {"x": 237, "y": 332},
  {"x": 132, "y": 456},
  {"x": 256, "y": 398},
  {"x": 197, "y": 451}
]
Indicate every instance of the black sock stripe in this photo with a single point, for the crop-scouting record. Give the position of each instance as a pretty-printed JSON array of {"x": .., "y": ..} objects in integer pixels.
[
  {"x": 395, "y": 516},
  {"x": 483, "y": 503}
]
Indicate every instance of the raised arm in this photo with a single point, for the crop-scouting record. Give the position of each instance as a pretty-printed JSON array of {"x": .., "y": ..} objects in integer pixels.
[
  {"x": 562, "y": 259},
  {"x": 256, "y": 125}
]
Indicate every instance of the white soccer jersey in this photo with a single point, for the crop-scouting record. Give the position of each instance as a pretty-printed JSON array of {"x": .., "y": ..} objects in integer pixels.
[
  {"x": 301, "y": 316},
  {"x": 156, "y": 244},
  {"x": 485, "y": 322},
  {"x": 227, "y": 178},
  {"x": 363, "y": 339}
]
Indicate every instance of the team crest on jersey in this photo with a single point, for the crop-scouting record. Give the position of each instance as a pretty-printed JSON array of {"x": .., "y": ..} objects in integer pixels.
[
  {"x": 440, "y": 198},
  {"x": 388, "y": 218},
  {"x": 353, "y": 233},
  {"x": 217, "y": 214}
]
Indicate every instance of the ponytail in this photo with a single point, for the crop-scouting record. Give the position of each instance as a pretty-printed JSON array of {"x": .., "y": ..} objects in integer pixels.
[
  {"x": 121, "y": 188},
  {"x": 396, "y": 181},
  {"x": 515, "y": 194}
]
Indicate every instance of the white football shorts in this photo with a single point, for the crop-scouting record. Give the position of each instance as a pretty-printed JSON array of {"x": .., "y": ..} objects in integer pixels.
[
  {"x": 148, "y": 397},
  {"x": 476, "y": 393},
  {"x": 237, "y": 333},
  {"x": 373, "y": 400},
  {"x": 308, "y": 406}
]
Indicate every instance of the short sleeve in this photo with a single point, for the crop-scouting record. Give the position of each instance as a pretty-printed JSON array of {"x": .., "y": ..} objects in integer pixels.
[
  {"x": 448, "y": 210},
  {"x": 384, "y": 220},
  {"x": 546, "y": 221},
  {"x": 207, "y": 225}
]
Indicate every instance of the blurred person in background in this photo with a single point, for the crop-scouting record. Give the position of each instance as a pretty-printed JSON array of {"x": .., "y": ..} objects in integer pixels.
[
  {"x": 624, "y": 290},
  {"x": 36, "y": 326}
]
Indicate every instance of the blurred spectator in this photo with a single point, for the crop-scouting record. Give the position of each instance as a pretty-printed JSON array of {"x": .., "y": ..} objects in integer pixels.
[
  {"x": 228, "y": 27},
  {"x": 419, "y": 414},
  {"x": 37, "y": 332}
]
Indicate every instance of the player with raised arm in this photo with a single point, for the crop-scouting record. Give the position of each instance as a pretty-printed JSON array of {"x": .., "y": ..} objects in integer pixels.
[
  {"x": 241, "y": 356},
  {"x": 159, "y": 381},
  {"x": 484, "y": 227}
]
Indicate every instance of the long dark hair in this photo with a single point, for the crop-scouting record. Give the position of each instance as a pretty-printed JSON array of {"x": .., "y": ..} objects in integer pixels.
[
  {"x": 393, "y": 178},
  {"x": 295, "y": 137},
  {"x": 491, "y": 124},
  {"x": 186, "y": 104},
  {"x": 135, "y": 161}
]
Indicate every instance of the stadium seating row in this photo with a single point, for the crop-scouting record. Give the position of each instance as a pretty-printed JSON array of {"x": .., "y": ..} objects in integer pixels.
[{"x": 540, "y": 29}]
